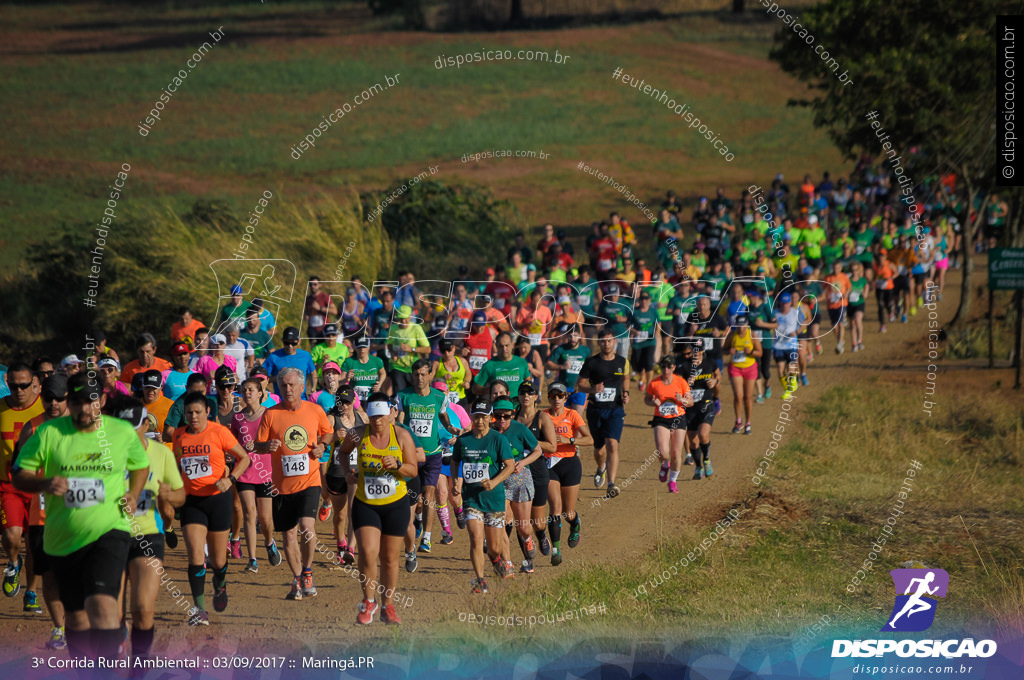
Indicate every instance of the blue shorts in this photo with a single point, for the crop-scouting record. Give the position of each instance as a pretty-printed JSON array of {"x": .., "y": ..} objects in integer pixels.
[
  {"x": 605, "y": 423},
  {"x": 788, "y": 355},
  {"x": 430, "y": 470},
  {"x": 577, "y": 399}
]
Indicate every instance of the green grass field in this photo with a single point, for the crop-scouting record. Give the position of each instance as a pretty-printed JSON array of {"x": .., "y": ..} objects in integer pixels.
[{"x": 78, "y": 82}]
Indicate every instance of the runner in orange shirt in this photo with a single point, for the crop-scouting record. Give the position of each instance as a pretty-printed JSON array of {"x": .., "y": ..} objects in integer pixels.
[
  {"x": 201, "y": 447},
  {"x": 884, "y": 288},
  {"x": 838, "y": 294},
  {"x": 534, "y": 322},
  {"x": 296, "y": 433},
  {"x": 669, "y": 394},
  {"x": 564, "y": 468}
]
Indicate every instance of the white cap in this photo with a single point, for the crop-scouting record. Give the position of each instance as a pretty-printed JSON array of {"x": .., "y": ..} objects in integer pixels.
[
  {"x": 70, "y": 360},
  {"x": 378, "y": 408},
  {"x": 107, "y": 361},
  {"x": 813, "y": 219}
]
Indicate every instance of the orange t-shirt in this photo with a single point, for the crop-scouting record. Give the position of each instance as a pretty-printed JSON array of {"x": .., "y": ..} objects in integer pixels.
[
  {"x": 292, "y": 468},
  {"x": 670, "y": 394},
  {"x": 180, "y": 332},
  {"x": 534, "y": 324},
  {"x": 158, "y": 413},
  {"x": 566, "y": 425},
  {"x": 202, "y": 457},
  {"x": 837, "y": 299},
  {"x": 133, "y": 367},
  {"x": 884, "y": 275}
]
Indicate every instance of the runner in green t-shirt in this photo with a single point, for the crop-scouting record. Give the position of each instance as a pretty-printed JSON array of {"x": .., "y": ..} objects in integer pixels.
[
  {"x": 519, "y": 486},
  {"x": 83, "y": 458},
  {"x": 407, "y": 343},
  {"x": 643, "y": 334},
  {"x": 504, "y": 366},
  {"x": 483, "y": 459},
  {"x": 364, "y": 371},
  {"x": 568, "y": 358},
  {"x": 330, "y": 349}
]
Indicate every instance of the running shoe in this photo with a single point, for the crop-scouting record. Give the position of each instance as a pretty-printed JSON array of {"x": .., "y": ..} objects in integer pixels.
[
  {"x": 759, "y": 399},
  {"x": 410, "y": 562},
  {"x": 418, "y": 523},
  {"x": 171, "y": 539},
  {"x": 903, "y": 318},
  {"x": 510, "y": 570},
  {"x": 308, "y": 589},
  {"x": 236, "y": 548},
  {"x": 708, "y": 470},
  {"x": 31, "y": 602},
  {"x": 738, "y": 427},
  {"x": 544, "y": 544},
  {"x": 198, "y": 617},
  {"x": 447, "y": 538},
  {"x": 574, "y": 532},
  {"x": 892, "y": 317},
  {"x": 718, "y": 406},
  {"x": 689, "y": 459},
  {"x": 663, "y": 473},
  {"x": 500, "y": 567},
  {"x": 913, "y": 311},
  {"x": 273, "y": 555},
  {"x": 57, "y": 640},
  {"x": 697, "y": 474},
  {"x": 220, "y": 599},
  {"x": 861, "y": 346},
  {"x": 613, "y": 490},
  {"x": 296, "y": 592},
  {"x": 325, "y": 511},
  {"x": 479, "y": 586},
  {"x": 673, "y": 487},
  {"x": 347, "y": 556},
  {"x": 767, "y": 392},
  {"x": 556, "y": 557},
  {"x": 425, "y": 545},
  {"x": 792, "y": 383},
  {"x": 252, "y": 567},
  {"x": 818, "y": 348},
  {"x": 855, "y": 347},
  {"x": 746, "y": 429},
  {"x": 389, "y": 616},
  {"x": 920, "y": 300},
  {"x": 460, "y": 518},
  {"x": 839, "y": 348},
  {"x": 366, "y": 611},
  {"x": 12, "y": 573},
  {"x": 599, "y": 478},
  {"x": 803, "y": 379},
  {"x": 530, "y": 548}
]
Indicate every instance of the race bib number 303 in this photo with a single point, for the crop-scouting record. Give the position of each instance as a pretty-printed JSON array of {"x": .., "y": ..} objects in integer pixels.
[{"x": 84, "y": 492}]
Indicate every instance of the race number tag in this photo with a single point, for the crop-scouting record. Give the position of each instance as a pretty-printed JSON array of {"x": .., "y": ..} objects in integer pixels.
[
  {"x": 709, "y": 343},
  {"x": 196, "y": 467},
  {"x": 362, "y": 391},
  {"x": 476, "y": 362},
  {"x": 379, "y": 488},
  {"x": 147, "y": 499},
  {"x": 854, "y": 296},
  {"x": 474, "y": 473},
  {"x": 668, "y": 409},
  {"x": 605, "y": 264},
  {"x": 575, "y": 366},
  {"x": 295, "y": 465},
  {"x": 835, "y": 298},
  {"x": 583, "y": 300},
  {"x": 640, "y": 336},
  {"x": 534, "y": 338},
  {"x": 84, "y": 492},
  {"x": 421, "y": 427},
  {"x": 738, "y": 357},
  {"x": 453, "y": 397},
  {"x": 697, "y": 394},
  {"x": 607, "y": 394}
]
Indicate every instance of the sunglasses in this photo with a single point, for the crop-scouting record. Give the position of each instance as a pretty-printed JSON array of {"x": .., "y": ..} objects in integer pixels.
[
  {"x": 50, "y": 397},
  {"x": 21, "y": 386},
  {"x": 557, "y": 395},
  {"x": 503, "y": 416},
  {"x": 291, "y": 344}
]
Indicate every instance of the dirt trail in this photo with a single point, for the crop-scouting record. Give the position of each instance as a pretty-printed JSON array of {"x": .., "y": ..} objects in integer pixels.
[{"x": 613, "y": 531}]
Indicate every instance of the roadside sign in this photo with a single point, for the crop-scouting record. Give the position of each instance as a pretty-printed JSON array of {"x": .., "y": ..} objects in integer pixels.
[{"x": 1006, "y": 269}]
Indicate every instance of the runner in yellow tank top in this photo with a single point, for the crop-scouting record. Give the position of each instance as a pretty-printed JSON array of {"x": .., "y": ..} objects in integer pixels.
[
  {"x": 381, "y": 514},
  {"x": 457, "y": 378},
  {"x": 742, "y": 350}
]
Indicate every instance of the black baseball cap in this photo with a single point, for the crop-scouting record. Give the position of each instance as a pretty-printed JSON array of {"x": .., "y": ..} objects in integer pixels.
[
  {"x": 528, "y": 388},
  {"x": 152, "y": 378},
  {"x": 291, "y": 334},
  {"x": 667, "y": 360},
  {"x": 481, "y": 407},
  {"x": 346, "y": 394},
  {"x": 445, "y": 345},
  {"x": 56, "y": 386},
  {"x": 82, "y": 388},
  {"x": 363, "y": 341},
  {"x": 331, "y": 329},
  {"x": 225, "y": 376}
]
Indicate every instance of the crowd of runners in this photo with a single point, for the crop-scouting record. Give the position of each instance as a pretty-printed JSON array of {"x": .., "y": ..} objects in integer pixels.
[{"x": 405, "y": 424}]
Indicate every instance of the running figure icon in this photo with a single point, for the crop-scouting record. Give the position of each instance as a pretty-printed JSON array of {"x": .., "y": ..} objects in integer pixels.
[{"x": 917, "y": 592}]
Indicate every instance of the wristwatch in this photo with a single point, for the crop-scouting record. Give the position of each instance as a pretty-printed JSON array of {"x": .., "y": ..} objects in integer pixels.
[{"x": 572, "y": 440}]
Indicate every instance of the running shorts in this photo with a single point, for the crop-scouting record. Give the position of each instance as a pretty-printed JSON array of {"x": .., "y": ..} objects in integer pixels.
[
  {"x": 336, "y": 485},
  {"x": 853, "y": 309},
  {"x": 676, "y": 423},
  {"x": 836, "y": 315},
  {"x": 748, "y": 373},
  {"x": 643, "y": 358},
  {"x": 567, "y": 471},
  {"x": 390, "y": 520},
  {"x": 261, "y": 490},
  {"x": 901, "y": 284},
  {"x": 40, "y": 560},
  {"x": 14, "y": 507},
  {"x": 788, "y": 355},
  {"x": 490, "y": 519},
  {"x": 919, "y": 279},
  {"x": 577, "y": 399},
  {"x": 699, "y": 414},
  {"x": 539, "y": 472},
  {"x": 95, "y": 569},
  {"x": 605, "y": 423},
  {"x": 519, "y": 486},
  {"x": 430, "y": 470},
  {"x": 150, "y": 545},
  {"x": 288, "y": 509},
  {"x": 213, "y": 512},
  {"x": 413, "y": 488}
]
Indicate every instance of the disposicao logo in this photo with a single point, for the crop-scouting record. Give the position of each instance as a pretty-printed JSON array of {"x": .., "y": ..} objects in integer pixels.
[{"x": 914, "y": 609}]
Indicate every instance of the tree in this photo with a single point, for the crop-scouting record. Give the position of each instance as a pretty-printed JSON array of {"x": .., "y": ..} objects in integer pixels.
[{"x": 925, "y": 66}]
